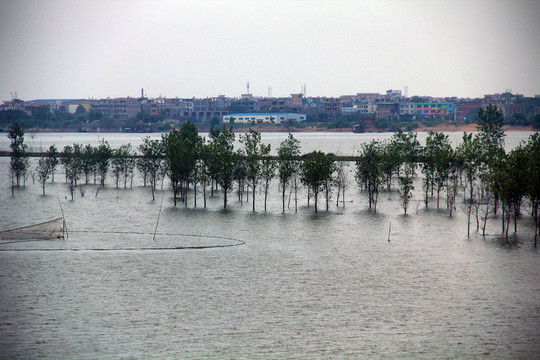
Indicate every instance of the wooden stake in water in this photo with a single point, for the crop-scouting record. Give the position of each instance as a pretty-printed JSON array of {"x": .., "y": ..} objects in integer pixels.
[
  {"x": 389, "y": 230},
  {"x": 157, "y": 222},
  {"x": 64, "y": 224}
]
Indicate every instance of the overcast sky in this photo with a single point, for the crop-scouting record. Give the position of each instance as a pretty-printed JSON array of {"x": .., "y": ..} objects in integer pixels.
[{"x": 85, "y": 49}]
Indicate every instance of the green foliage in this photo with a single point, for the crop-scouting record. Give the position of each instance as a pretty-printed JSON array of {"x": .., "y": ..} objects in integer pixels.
[
  {"x": 472, "y": 116},
  {"x": 288, "y": 152},
  {"x": 151, "y": 163},
  {"x": 214, "y": 122},
  {"x": 181, "y": 148},
  {"x": 317, "y": 170},
  {"x": 437, "y": 162},
  {"x": 268, "y": 170},
  {"x": 81, "y": 110},
  {"x": 223, "y": 159},
  {"x": 490, "y": 122},
  {"x": 406, "y": 186},
  {"x": 10, "y": 117},
  {"x": 382, "y": 123},
  {"x": 122, "y": 163},
  {"x": 103, "y": 155},
  {"x": 370, "y": 173},
  {"x": 254, "y": 150},
  {"x": 43, "y": 171},
  {"x": 52, "y": 155},
  {"x": 19, "y": 159}
]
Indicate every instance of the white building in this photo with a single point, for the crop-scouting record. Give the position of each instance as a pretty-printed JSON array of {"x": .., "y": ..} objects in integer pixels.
[{"x": 259, "y": 118}]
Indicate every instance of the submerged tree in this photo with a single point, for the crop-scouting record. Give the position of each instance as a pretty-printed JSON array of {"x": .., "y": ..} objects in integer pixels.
[
  {"x": 288, "y": 165},
  {"x": 180, "y": 149},
  {"x": 44, "y": 171},
  {"x": 253, "y": 153},
  {"x": 151, "y": 161},
  {"x": 438, "y": 159},
  {"x": 317, "y": 170},
  {"x": 240, "y": 175},
  {"x": 52, "y": 156},
  {"x": 19, "y": 159},
  {"x": 103, "y": 155},
  {"x": 341, "y": 180},
  {"x": 88, "y": 162},
  {"x": 489, "y": 123},
  {"x": 406, "y": 186},
  {"x": 532, "y": 174},
  {"x": 268, "y": 170},
  {"x": 370, "y": 172},
  {"x": 223, "y": 159}
]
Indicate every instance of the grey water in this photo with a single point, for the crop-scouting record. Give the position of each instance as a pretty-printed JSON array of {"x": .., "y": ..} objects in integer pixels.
[{"x": 262, "y": 284}]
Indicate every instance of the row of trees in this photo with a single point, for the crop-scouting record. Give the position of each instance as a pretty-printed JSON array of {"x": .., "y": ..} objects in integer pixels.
[
  {"x": 488, "y": 178},
  {"x": 44, "y": 118}
]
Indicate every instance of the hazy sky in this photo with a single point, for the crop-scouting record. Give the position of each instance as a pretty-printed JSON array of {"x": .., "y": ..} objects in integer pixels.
[{"x": 84, "y": 49}]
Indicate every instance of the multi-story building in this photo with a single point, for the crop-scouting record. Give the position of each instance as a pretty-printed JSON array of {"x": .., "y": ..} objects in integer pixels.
[
  {"x": 332, "y": 105},
  {"x": 297, "y": 101},
  {"x": 180, "y": 108},
  {"x": 389, "y": 110},
  {"x": 260, "y": 118},
  {"x": 394, "y": 95},
  {"x": 118, "y": 108},
  {"x": 407, "y": 108},
  {"x": 208, "y": 108},
  {"x": 435, "y": 109}
]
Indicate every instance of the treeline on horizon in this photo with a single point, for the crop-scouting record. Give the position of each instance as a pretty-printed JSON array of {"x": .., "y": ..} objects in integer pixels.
[{"x": 491, "y": 180}]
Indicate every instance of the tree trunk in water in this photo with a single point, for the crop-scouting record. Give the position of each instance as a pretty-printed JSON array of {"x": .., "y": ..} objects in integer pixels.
[
  {"x": 265, "y": 194},
  {"x": 195, "y": 194},
  {"x": 204, "y": 194},
  {"x": 295, "y": 196},
  {"x": 253, "y": 195},
  {"x": 283, "y": 196},
  {"x": 516, "y": 214},
  {"x": 503, "y": 217}
]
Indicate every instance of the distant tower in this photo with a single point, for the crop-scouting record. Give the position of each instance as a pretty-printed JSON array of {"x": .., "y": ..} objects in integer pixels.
[
  {"x": 406, "y": 91},
  {"x": 142, "y": 92},
  {"x": 247, "y": 86}
]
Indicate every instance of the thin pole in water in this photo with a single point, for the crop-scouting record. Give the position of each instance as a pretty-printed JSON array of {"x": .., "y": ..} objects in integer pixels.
[
  {"x": 64, "y": 224},
  {"x": 389, "y": 230},
  {"x": 157, "y": 222}
]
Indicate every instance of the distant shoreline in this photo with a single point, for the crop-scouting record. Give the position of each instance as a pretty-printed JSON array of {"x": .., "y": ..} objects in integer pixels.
[{"x": 314, "y": 129}]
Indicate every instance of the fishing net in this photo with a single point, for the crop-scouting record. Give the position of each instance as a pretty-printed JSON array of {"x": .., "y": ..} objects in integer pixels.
[{"x": 48, "y": 230}]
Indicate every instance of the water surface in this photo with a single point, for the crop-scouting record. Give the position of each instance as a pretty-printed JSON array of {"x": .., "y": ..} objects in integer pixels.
[{"x": 301, "y": 286}]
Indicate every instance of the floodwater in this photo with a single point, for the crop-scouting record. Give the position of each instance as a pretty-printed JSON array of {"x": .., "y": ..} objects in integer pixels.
[{"x": 238, "y": 284}]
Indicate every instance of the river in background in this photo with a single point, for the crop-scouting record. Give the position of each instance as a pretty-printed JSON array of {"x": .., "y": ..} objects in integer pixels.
[
  {"x": 267, "y": 284},
  {"x": 338, "y": 143}
]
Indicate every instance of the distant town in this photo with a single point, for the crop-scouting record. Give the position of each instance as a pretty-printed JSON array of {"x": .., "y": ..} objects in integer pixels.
[{"x": 360, "y": 112}]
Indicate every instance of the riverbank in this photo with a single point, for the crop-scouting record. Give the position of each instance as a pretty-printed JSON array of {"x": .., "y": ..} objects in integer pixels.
[
  {"x": 274, "y": 128},
  {"x": 420, "y": 128}
]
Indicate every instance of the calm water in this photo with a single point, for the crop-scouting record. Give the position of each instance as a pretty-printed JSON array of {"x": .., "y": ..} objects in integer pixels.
[{"x": 292, "y": 286}]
